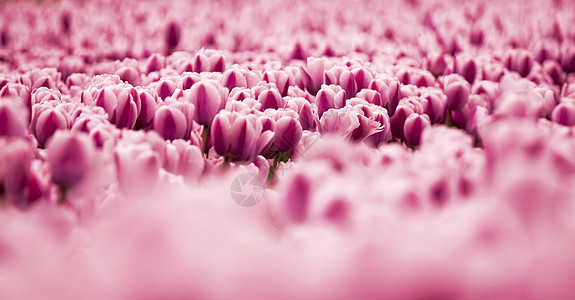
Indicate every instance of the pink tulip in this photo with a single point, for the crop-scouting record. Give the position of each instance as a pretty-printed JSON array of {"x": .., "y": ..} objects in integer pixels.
[{"x": 71, "y": 156}]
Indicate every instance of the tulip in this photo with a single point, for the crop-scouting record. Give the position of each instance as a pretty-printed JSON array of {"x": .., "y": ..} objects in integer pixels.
[
  {"x": 137, "y": 169},
  {"x": 233, "y": 78},
  {"x": 238, "y": 137},
  {"x": 393, "y": 96},
  {"x": 207, "y": 99},
  {"x": 331, "y": 76},
  {"x": 13, "y": 118},
  {"x": 217, "y": 62},
  {"x": 129, "y": 75},
  {"x": 297, "y": 199},
  {"x": 414, "y": 126},
  {"x": 371, "y": 96},
  {"x": 165, "y": 88},
  {"x": 465, "y": 65},
  {"x": 170, "y": 122},
  {"x": 341, "y": 122},
  {"x": 46, "y": 121},
  {"x": 148, "y": 106},
  {"x": 564, "y": 113},
  {"x": 121, "y": 103},
  {"x": 312, "y": 74},
  {"x": 201, "y": 63},
  {"x": 519, "y": 61},
  {"x": 308, "y": 117},
  {"x": 15, "y": 161},
  {"x": 154, "y": 63},
  {"x": 71, "y": 156},
  {"x": 172, "y": 37},
  {"x": 434, "y": 106},
  {"x": 362, "y": 77},
  {"x": 287, "y": 133},
  {"x": 270, "y": 99},
  {"x": 329, "y": 97},
  {"x": 554, "y": 71},
  {"x": 40, "y": 78},
  {"x": 182, "y": 158},
  {"x": 17, "y": 91},
  {"x": 383, "y": 134},
  {"x": 280, "y": 79},
  {"x": 457, "y": 91},
  {"x": 407, "y": 107},
  {"x": 348, "y": 83},
  {"x": 568, "y": 57},
  {"x": 493, "y": 72},
  {"x": 436, "y": 63}
]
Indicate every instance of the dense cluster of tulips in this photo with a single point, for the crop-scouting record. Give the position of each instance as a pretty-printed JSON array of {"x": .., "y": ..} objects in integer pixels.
[{"x": 412, "y": 150}]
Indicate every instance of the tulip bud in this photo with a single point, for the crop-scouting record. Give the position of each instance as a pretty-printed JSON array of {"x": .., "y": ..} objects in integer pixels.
[
  {"x": 331, "y": 76},
  {"x": 347, "y": 82},
  {"x": 393, "y": 96},
  {"x": 568, "y": 57},
  {"x": 126, "y": 111},
  {"x": 207, "y": 100},
  {"x": 329, "y": 97},
  {"x": 238, "y": 137},
  {"x": 493, "y": 72},
  {"x": 465, "y": 65},
  {"x": 17, "y": 91},
  {"x": 288, "y": 132},
  {"x": 312, "y": 74},
  {"x": 148, "y": 105},
  {"x": 130, "y": 75},
  {"x": 414, "y": 126},
  {"x": 172, "y": 37},
  {"x": 47, "y": 121},
  {"x": 184, "y": 159},
  {"x": 201, "y": 63},
  {"x": 297, "y": 199},
  {"x": 71, "y": 157},
  {"x": 15, "y": 160},
  {"x": 434, "y": 106},
  {"x": 270, "y": 99},
  {"x": 362, "y": 77},
  {"x": 436, "y": 63},
  {"x": 137, "y": 169},
  {"x": 457, "y": 91},
  {"x": 554, "y": 71},
  {"x": 280, "y": 79},
  {"x": 13, "y": 118},
  {"x": 165, "y": 88},
  {"x": 154, "y": 63},
  {"x": 404, "y": 109},
  {"x": 233, "y": 78},
  {"x": 564, "y": 114},
  {"x": 340, "y": 122},
  {"x": 308, "y": 117},
  {"x": 382, "y": 134},
  {"x": 371, "y": 96},
  {"x": 170, "y": 122}
]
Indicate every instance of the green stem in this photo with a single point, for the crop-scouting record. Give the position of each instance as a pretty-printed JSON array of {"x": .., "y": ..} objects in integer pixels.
[
  {"x": 62, "y": 199},
  {"x": 226, "y": 163},
  {"x": 205, "y": 140},
  {"x": 273, "y": 168},
  {"x": 448, "y": 119},
  {"x": 278, "y": 157}
]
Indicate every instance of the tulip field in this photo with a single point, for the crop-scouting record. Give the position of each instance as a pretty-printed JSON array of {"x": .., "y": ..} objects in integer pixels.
[{"x": 252, "y": 149}]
